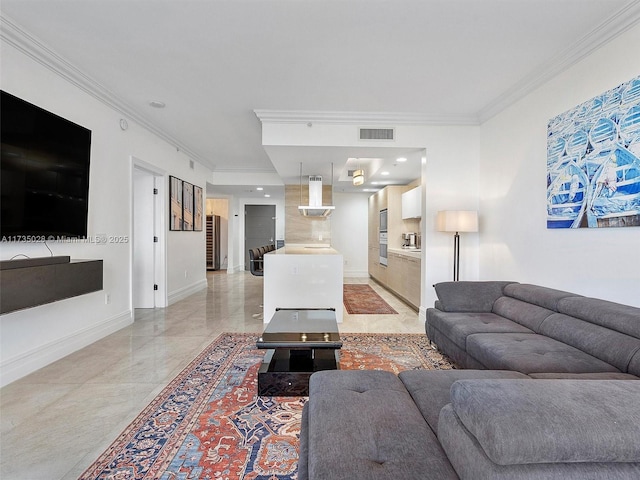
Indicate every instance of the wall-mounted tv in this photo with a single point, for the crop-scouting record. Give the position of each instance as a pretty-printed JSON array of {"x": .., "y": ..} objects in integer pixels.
[{"x": 44, "y": 182}]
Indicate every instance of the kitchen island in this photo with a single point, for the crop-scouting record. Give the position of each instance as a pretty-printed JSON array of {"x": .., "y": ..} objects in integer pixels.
[{"x": 303, "y": 277}]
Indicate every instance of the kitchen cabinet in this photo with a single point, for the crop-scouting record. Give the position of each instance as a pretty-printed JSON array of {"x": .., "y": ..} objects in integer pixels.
[
  {"x": 377, "y": 271},
  {"x": 411, "y": 281},
  {"x": 411, "y": 207},
  {"x": 403, "y": 277},
  {"x": 395, "y": 273}
]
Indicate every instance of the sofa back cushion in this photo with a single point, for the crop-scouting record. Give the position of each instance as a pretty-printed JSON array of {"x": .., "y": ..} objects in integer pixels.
[
  {"x": 468, "y": 296},
  {"x": 611, "y": 346},
  {"x": 622, "y": 318},
  {"x": 526, "y": 314},
  {"x": 542, "y": 296}
]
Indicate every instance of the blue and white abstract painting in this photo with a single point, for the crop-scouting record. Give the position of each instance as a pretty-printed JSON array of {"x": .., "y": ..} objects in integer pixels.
[{"x": 593, "y": 162}]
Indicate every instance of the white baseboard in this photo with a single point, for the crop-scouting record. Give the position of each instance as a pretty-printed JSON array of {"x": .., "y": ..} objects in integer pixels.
[
  {"x": 356, "y": 273},
  {"x": 184, "y": 292},
  {"x": 28, "y": 362},
  {"x": 422, "y": 314}
]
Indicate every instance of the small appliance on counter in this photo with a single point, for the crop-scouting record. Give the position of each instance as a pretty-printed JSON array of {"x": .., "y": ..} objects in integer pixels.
[{"x": 409, "y": 240}]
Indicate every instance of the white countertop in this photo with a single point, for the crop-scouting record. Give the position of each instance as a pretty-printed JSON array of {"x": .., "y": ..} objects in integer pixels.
[
  {"x": 409, "y": 252},
  {"x": 302, "y": 249}
]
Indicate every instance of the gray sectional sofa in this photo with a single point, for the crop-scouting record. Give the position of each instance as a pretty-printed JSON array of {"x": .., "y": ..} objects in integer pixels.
[
  {"x": 548, "y": 391},
  {"x": 534, "y": 330}
]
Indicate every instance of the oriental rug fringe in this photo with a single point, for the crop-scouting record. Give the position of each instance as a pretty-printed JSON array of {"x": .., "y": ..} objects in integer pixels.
[{"x": 209, "y": 423}]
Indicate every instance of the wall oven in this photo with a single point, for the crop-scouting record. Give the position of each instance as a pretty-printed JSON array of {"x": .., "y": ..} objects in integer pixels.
[
  {"x": 383, "y": 248},
  {"x": 383, "y": 237},
  {"x": 383, "y": 220}
]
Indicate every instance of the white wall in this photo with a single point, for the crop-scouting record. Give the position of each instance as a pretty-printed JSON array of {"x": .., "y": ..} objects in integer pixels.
[
  {"x": 515, "y": 243},
  {"x": 32, "y": 338},
  {"x": 449, "y": 182},
  {"x": 349, "y": 232}
]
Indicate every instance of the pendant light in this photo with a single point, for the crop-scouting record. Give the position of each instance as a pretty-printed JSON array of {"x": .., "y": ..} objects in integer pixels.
[{"x": 358, "y": 177}]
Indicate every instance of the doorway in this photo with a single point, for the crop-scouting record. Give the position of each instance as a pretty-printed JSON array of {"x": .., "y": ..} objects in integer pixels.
[
  {"x": 259, "y": 228},
  {"x": 148, "y": 273}
]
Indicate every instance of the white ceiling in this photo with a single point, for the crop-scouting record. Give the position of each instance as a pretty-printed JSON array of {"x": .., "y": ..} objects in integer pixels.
[{"x": 214, "y": 62}]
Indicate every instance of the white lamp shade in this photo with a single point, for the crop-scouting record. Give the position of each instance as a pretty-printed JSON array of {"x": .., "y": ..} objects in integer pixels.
[{"x": 457, "y": 221}]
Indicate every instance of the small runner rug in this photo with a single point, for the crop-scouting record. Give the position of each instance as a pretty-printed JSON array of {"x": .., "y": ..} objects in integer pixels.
[
  {"x": 209, "y": 423},
  {"x": 362, "y": 299}
]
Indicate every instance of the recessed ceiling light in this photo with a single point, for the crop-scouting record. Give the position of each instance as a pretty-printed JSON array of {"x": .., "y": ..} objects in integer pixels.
[
  {"x": 259, "y": 189},
  {"x": 375, "y": 183},
  {"x": 401, "y": 159},
  {"x": 157, "y": 104},
  {"x": 267, "y": 195},
  {"x": 384, "y": 173}
]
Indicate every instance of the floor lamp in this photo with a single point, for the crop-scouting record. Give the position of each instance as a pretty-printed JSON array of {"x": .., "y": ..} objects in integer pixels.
[{"x": 457, "y": 221}]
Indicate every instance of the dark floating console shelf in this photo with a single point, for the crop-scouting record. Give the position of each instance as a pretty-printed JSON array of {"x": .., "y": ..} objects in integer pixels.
[{"x": 29, "y": 282}]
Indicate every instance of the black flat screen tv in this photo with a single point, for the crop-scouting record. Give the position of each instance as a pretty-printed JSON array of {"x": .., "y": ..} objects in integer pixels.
[{"x": 44, "y": 183}]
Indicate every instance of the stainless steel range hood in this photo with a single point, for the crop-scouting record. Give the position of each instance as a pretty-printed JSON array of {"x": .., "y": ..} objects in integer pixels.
[
  {"x": 323, "y": 211},
  {"x": 315, "y": 207}
]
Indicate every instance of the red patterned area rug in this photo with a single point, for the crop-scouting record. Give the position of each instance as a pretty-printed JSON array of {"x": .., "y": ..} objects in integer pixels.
[
  {"x": 362, "y": 299},
  {"x": 209, "y": 423}
]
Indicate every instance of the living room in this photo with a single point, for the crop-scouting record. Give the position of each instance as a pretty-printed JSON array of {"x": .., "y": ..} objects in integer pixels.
[{"x": 496, "y": 167}]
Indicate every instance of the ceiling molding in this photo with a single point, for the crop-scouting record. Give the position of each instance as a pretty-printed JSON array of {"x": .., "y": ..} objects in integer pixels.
[
  {"x": 361, "y": 118},
  {"x": 611, "y": 28},
  {"x": 247, "y": 169},
  {"x": 16, "y": 36}
]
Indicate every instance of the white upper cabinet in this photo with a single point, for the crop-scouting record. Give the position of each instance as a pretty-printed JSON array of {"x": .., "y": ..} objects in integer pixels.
[{"x": 411, "y": 204}]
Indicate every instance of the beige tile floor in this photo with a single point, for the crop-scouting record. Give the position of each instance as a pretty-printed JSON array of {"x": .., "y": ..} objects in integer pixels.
[{"x": 58, "y": 420}]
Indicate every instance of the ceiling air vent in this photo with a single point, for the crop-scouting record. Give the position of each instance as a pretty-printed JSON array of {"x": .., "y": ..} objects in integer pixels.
[{"x": 376, "y": 133}]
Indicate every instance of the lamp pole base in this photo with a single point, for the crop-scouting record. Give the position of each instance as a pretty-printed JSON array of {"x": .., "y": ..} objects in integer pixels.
[{"x": 456, "y": 257}]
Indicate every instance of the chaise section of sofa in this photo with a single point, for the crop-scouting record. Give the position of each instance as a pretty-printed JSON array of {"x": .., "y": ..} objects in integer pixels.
[
  {"x": 533, "y": 329},
  {"x": 533, "y": 429},
  {"x": 468, "y": 424}
]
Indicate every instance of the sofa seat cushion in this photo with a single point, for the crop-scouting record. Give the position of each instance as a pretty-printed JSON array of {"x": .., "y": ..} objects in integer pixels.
[
  {"x": 531, "y": 353},
  {"x": 458, "y": 326},
  {"x": 430, "y": 388},
  {"x": 551, "y": 421},
  {"x": 327, "y": 381},
  {"x": 364, "y": 425}
]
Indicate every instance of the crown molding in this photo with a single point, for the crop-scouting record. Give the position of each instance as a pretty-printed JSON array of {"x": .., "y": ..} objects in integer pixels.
[
  {"x": 612, "y": 27},
  {"x": 244, "y": 170},
  {"x": 362, "y": 118},
  {"x": 13, "y": 34}
]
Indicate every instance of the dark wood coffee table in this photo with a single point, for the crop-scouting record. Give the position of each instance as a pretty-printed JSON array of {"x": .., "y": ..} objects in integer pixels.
[{"x": 299, "y": 342}]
